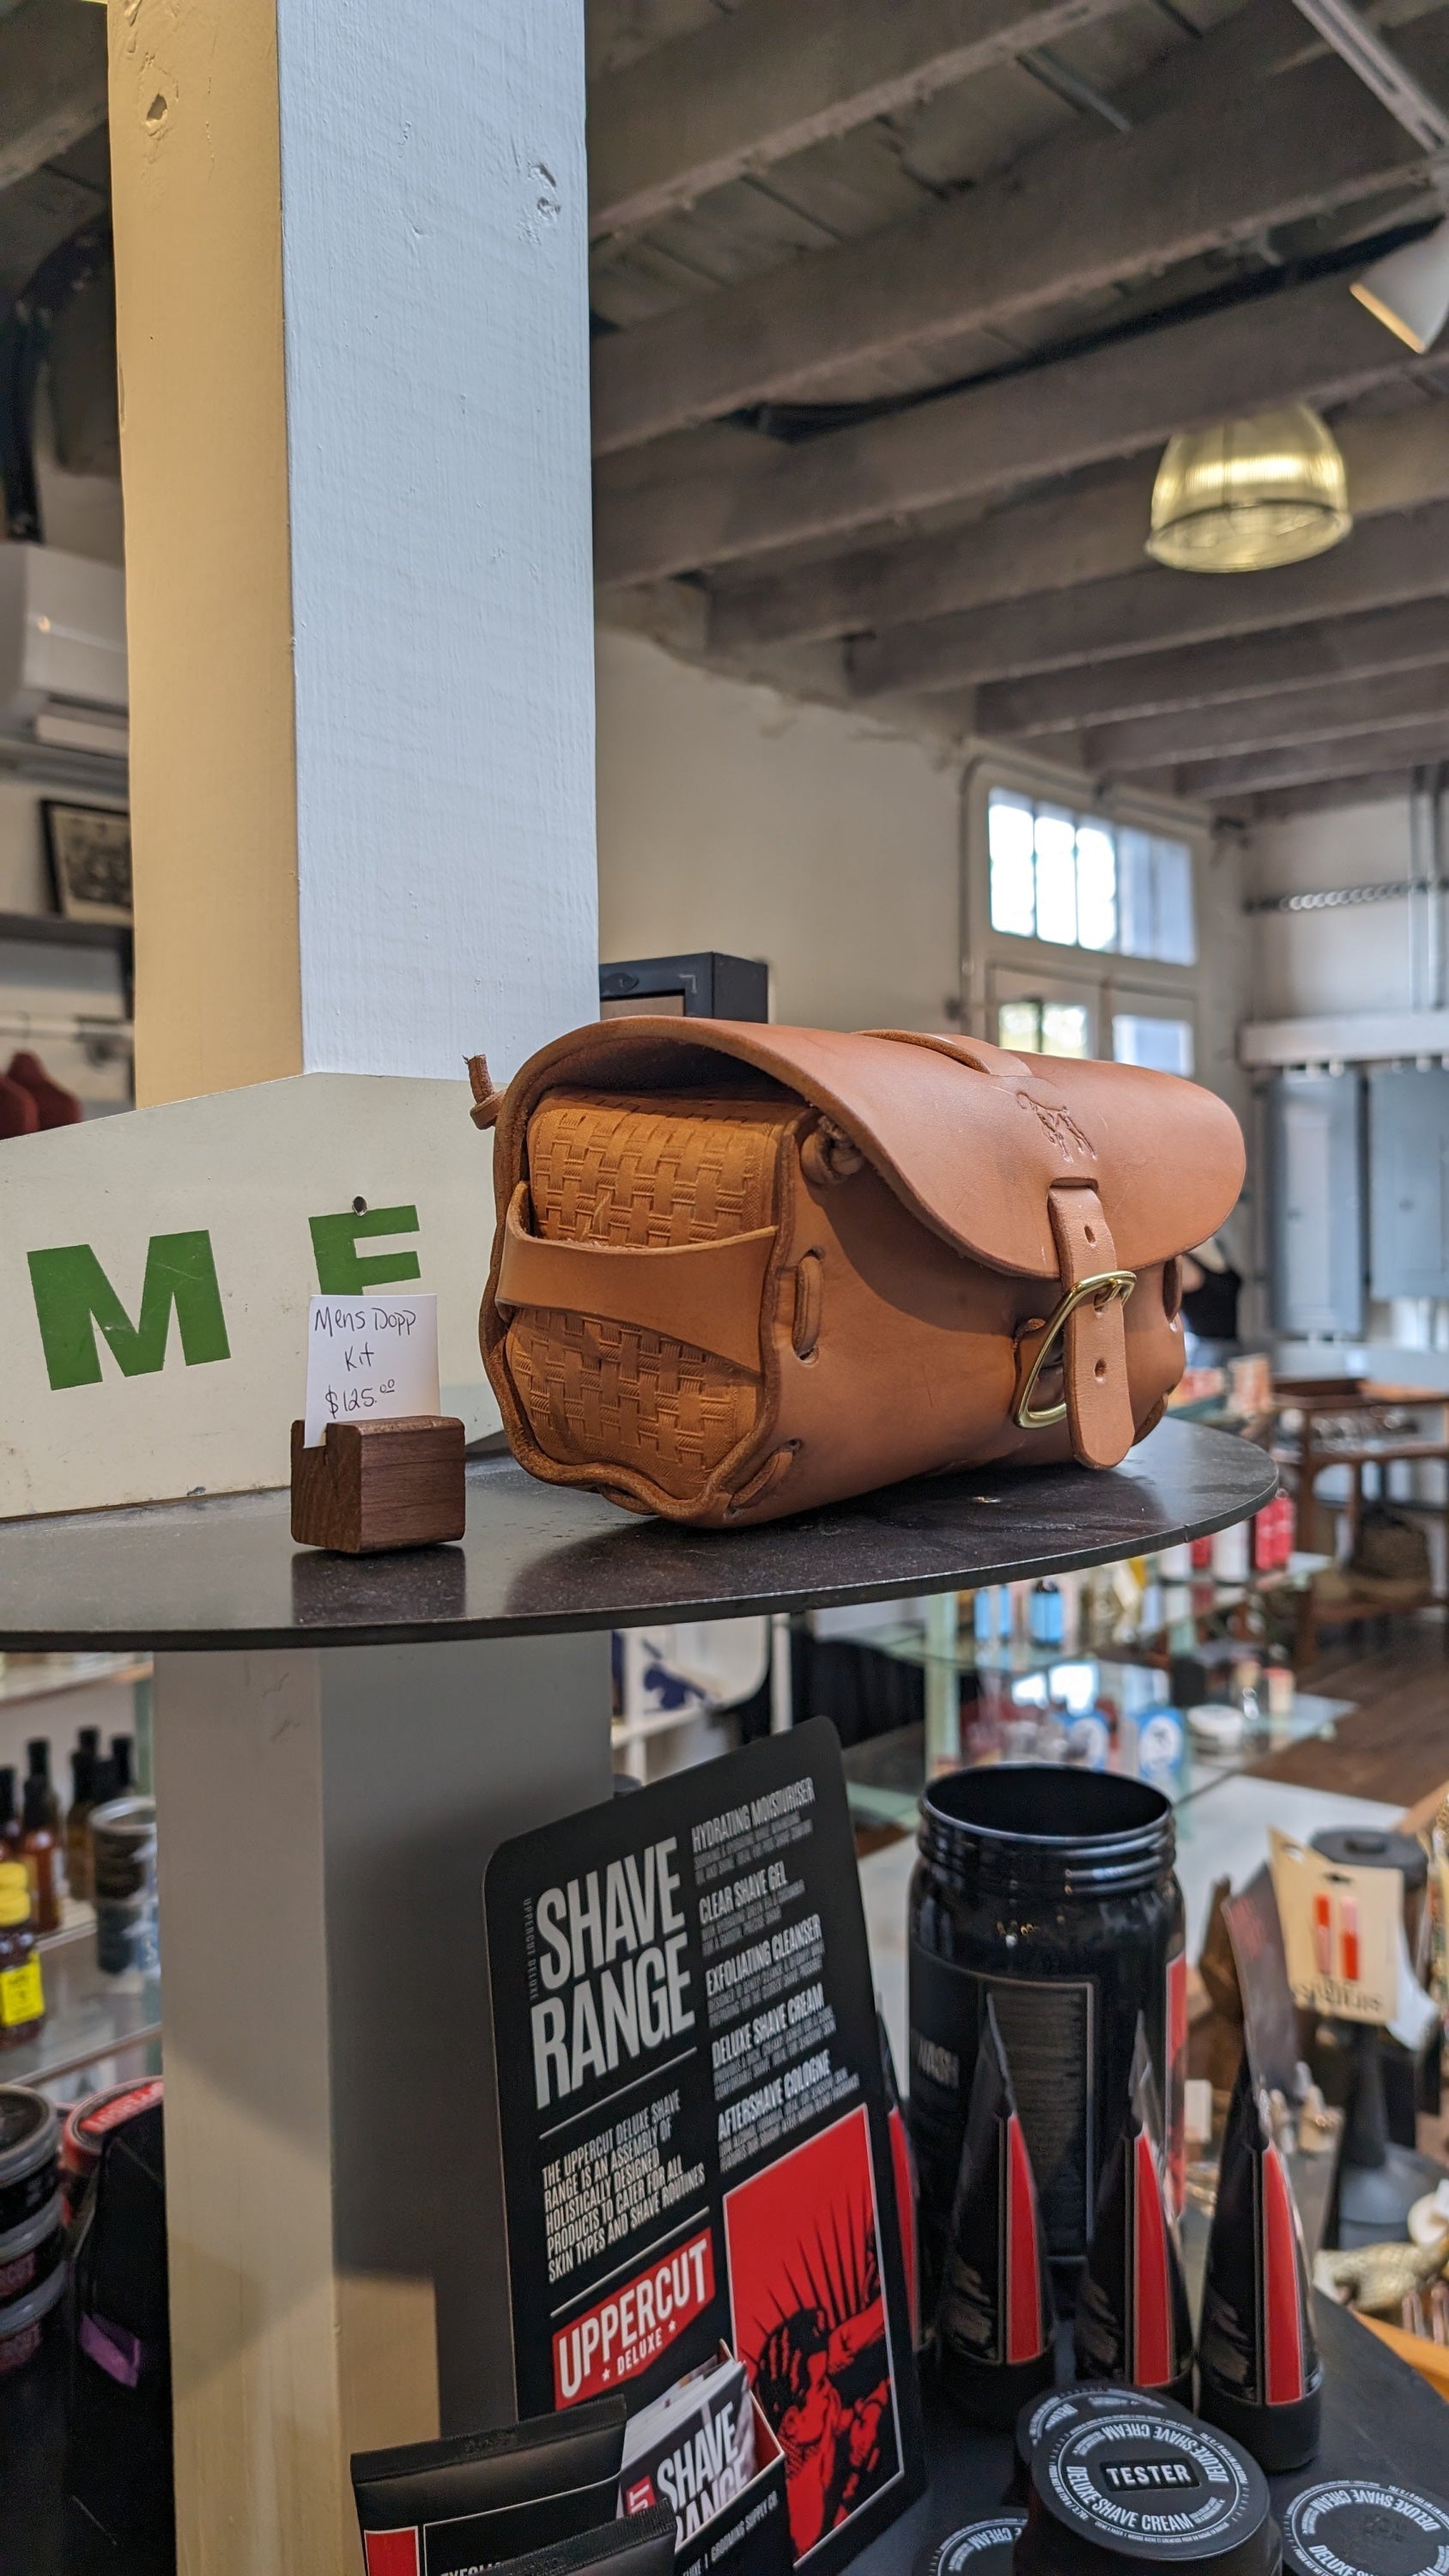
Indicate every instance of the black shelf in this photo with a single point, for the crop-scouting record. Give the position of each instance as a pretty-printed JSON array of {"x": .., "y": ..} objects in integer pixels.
[
  {"x": 538, "y": 1559},
  {"x": 53, "y": 930}
]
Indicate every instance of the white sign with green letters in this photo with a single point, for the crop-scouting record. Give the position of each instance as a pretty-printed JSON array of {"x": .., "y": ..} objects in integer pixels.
[{"x": 156, "y": 1271}]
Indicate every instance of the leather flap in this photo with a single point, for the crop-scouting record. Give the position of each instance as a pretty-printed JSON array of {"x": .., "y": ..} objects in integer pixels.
[{"x": 970, "y": 1138}]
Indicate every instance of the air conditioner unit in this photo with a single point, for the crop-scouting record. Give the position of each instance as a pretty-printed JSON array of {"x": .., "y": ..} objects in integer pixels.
[{"x": 63, "y": 650}]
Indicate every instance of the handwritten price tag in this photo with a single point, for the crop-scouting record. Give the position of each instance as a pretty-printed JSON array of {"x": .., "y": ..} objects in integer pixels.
[{"x": 369, "y": 1359}]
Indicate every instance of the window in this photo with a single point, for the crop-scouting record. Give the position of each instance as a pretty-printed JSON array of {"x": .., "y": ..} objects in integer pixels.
[
  {"x": 1079, "y": 882},
  {"x": 1162, "y": 1044},
  {"x": 1044, "y": 1028}
]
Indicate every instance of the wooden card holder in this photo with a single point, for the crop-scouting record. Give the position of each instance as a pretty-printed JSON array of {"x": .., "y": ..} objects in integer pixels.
[{"x": 377, "y": 1485}]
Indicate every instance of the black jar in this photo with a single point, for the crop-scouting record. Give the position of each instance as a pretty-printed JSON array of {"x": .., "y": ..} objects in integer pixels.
[{"x": 1052, "y": 1891}]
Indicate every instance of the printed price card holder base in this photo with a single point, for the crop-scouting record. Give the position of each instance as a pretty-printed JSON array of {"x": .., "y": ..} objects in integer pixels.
[{"x": 372, "y": 1486}]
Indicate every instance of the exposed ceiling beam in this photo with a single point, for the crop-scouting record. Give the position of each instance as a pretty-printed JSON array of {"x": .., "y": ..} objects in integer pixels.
[
  {"x": 1076, "y": 216},
  {"x": 1406, "y": 747},
  {"x": 1389, "y": 560},
  {"x": 1340, "y": 708},
  {"x": 1306, "y": 343},
  {"x": 1146, "y": 685},
  {"x": 1393, "y": 463},
  {"x": 752, "y": 88},
  {"x": 1279, "y": 804},
  {"x": 1382, "y": 68},
  {"x": 52, "y": 82}
]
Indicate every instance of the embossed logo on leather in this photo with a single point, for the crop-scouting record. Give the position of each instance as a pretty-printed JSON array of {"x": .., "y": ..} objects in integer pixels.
[{"x": 1061, "y": 1126}]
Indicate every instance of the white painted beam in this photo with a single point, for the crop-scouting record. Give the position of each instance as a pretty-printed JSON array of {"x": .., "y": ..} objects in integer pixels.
[{"x": 357, "y": 511}]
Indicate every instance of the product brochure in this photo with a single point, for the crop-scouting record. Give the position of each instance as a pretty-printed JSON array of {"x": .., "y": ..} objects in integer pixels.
[{"x": 694, "y": 2124}]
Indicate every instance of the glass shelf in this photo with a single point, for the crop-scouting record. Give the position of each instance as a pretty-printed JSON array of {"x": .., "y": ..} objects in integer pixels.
[
  {"x": 90, "y": 2020},
  {"x": 887, "y": 1773},
  {"x": 1170, "y": 1605}
]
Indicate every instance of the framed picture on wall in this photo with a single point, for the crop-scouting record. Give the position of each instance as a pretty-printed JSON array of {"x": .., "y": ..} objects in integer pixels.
[{"x": 89, "y": 849}]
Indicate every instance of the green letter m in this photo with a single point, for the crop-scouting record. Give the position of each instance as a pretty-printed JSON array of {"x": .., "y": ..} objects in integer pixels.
[{"x": 73, "y": 1296}]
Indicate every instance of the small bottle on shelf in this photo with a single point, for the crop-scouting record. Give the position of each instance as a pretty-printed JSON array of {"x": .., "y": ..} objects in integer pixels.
[
  {"x": 38, "y": 1756},
  {"x": 40, "y": 1852},
  {"x": 78, "y": 1816},
  {"x": 1045, "y": 1613},
  {"x": 22, "y": 1992},
  {"x": 123, "y": 1769},
  {"x": 9, "y": 1819}
]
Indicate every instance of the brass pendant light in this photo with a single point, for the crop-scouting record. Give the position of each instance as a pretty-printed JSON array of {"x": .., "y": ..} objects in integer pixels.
[{"x": 1248, "y": 494}]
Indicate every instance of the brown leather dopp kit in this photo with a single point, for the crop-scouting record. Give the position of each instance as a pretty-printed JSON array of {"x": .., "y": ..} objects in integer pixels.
[{"x": 742, "y": 1270}]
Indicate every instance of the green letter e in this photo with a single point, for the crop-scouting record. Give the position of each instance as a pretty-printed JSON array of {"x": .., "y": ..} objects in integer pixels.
[{"x": 73, "y": 1296}]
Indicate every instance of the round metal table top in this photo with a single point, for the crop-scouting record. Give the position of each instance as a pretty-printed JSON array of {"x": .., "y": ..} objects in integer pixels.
[{"x": 538, "y": 1559}]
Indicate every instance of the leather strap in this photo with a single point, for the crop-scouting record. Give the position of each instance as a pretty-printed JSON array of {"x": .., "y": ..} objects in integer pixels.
[
  {"x": 1094, "y": 1343},
  {"x": 706, "y": 1294}
]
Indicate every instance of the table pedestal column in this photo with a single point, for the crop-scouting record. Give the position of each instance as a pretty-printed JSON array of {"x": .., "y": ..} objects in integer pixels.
[{"x": 338, "y": 2272}]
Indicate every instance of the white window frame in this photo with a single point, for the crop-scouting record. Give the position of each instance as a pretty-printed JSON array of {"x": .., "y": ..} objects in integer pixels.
[{"x": 1118, "y": 982}]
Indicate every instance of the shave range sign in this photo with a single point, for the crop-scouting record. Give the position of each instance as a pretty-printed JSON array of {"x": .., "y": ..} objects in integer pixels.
[{"x": 695, "y": 2139}]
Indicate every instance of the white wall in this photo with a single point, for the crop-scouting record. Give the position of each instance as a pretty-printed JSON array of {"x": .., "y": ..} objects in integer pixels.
[
  {"x": 735, "y": 819},
  {"x": 1355, "y": 960}
]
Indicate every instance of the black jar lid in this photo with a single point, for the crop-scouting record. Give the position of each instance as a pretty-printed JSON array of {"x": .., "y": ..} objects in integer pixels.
[
  {"x": 1365, "y": 2527},
  {"x": 1121, "y": 2492},
  {"x": 981, "y": 2548},
  {"x": 1050, "y": 1827},
  {"x": 1368, "y": 1847},
  {"x": 1086, "y": 2402},
  {"x": 29, "y": 2133}
]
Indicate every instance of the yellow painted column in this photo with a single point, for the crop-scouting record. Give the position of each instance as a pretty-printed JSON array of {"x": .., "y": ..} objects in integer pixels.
[{"x": 198, "y": 226}]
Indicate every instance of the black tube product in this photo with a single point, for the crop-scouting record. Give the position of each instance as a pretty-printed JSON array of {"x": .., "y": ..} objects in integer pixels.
[
  {"x": 638, "y": 2544},
  {"x": 433, "y": 2508},
  {"x": 1259, "y": 2373},
  {"x": 995, "y": 2323},
  {"x": 1133, "y": 2322}
]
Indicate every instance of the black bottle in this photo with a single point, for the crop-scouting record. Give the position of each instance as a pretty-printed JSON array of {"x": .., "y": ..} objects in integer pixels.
[
  {"x": 995, "y": 2324},
  {"x": 38, "y": 1755},
  {"x": 123, "y": 1777},
  {"x": 1133, "y": 2322},
  {"x": 1259, "y": 2373}
]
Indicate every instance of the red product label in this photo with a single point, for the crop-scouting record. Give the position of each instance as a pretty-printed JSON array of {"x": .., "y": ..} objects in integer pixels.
[
  {"x": 1175, "y": 2104},
  {"x": 1282, "y": 2322},
  {"x": 1151, "y": 2278},
  {"x": 903, "y": 2168},
  {"x": 622, "y": 2334},
  {"x": 1026, "y": 2328},
  {"x": 392, "y": 2553},
  {"x": 639, "y": 2497},
  {"x": 802, "y": 2239}
]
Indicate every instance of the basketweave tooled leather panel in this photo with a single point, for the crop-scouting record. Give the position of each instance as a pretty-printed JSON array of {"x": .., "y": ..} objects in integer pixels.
[{"x": 642, "y": 1171}]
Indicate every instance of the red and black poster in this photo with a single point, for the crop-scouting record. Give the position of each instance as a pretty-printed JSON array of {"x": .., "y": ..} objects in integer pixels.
[{"x": 694, "y": 2124}]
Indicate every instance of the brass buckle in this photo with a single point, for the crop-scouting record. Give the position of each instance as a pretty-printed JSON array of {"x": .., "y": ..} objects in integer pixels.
[{"x": 1105, "y": 1288}]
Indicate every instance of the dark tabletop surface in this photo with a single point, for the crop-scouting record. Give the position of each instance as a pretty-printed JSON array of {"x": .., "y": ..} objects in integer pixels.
[
  {"x": 1379, "y": 2420},
  {"x": 222, "y": 1571}
]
